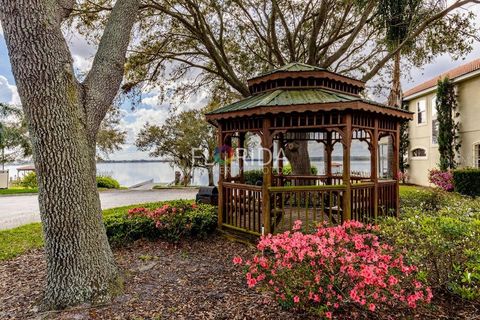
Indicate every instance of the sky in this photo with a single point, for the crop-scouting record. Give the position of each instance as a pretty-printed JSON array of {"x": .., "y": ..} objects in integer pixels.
[{"x": 151, "y": 110}]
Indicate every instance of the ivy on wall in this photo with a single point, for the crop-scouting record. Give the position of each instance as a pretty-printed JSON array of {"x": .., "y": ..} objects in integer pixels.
[{"x": 448, "y": 126}]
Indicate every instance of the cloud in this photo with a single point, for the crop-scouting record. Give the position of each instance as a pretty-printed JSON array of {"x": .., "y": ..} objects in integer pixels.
[
  {"x": 83, "y": 51},
  {"x": 8, "y": 92},
  {"x": 1, "y": 30}
]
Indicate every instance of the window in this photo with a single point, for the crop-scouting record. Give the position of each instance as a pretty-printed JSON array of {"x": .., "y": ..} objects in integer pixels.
[
  {"x": 476, "y": 155},
  {"x": 434, "y": 121},
  {"x": 421, "y": 112},
  {"x": 419, "y": 153}
]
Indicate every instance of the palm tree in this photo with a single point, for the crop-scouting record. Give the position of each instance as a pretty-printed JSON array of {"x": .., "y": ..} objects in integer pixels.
[{"x": 398, "y": 17}]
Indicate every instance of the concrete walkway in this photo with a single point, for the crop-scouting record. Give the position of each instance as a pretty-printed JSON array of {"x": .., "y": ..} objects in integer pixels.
[{"x": 23, "y": 209}]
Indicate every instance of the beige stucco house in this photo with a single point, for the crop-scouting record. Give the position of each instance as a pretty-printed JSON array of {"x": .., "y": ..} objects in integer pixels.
[{"x": 423, "y": 130}]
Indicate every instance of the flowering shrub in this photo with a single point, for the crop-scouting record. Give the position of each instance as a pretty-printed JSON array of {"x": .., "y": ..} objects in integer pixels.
[
  {"x": 443, "y": 180},
  {"x": 335, "y": 266},
  {"x": 403, "y": 176},
  {"x": 168, "y": 220}
]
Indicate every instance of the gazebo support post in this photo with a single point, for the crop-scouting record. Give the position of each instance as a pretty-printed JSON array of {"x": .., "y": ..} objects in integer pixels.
[
  {"x": 374, "y": 167},
  {"x": 267, "y": 175},
  {"x": 281, "y": 153},
  {"x": 221, "y": 176},
  {"x": 328, "y": 158},
  {"x": 347, "y": 142},
  {"x": 228, "y": 169},
  {"x": 396, "y": 168},
  {"x": 241, "y": 153}
]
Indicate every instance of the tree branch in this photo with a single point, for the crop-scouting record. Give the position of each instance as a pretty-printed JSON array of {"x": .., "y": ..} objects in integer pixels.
[
  {"x": 414, "y": 34},
  {"x": 104, "y": 79}
]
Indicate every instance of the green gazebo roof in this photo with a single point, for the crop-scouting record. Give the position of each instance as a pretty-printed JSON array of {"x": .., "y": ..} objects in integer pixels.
[{"x": 286, "y": 98}]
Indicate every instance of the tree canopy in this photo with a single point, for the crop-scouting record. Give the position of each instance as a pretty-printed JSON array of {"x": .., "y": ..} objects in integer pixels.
[
  {"x": 220, "y": 44},
  {"x": 185, "y": 139},
  {"x": 215, "y": 46}
]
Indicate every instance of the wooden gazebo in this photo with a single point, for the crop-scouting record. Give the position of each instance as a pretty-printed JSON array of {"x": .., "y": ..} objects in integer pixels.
[{"x": 303, "y": 102}]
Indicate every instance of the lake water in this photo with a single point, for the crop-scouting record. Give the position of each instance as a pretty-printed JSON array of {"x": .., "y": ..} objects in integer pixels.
[{"x": 131, "y": 173}]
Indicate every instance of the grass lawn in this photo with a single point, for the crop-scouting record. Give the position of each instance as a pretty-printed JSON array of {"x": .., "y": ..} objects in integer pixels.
[
  {"x": 14, "y": 242},
  {"x": 17, "y": 190},
  {"x": 404, "y": 188}
]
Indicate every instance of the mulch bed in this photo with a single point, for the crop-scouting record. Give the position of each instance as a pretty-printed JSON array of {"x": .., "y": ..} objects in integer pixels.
[{"x": 190, "y": 280}]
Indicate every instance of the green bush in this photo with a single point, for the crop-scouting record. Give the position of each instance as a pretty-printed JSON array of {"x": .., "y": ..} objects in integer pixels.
[
  {"x": 107, "y": 183},
  {"x": 440, "y": 233},
  {"x": 467, "y": 181},
  {"x": 254, "y": 176},
  {"x": 171, "y": 220},
  {"x": 287, "y": 169},
  {"x": 422, "y": 199},
  {"x": 29, "y": 181}
]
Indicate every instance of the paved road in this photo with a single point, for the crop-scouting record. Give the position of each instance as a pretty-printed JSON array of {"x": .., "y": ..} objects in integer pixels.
[{"x": 22, "y": 209}]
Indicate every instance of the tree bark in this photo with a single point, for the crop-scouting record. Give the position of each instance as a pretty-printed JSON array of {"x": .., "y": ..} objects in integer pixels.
[
  {"x": 59, "y": 111},
  {"x": 211, "y": 181},
  {"x": 395, "y": 97},
  {"x": 298, "y": 156}
]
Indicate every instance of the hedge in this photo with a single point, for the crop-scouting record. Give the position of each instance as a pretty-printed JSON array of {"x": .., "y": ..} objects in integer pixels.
[
  {"x": 467, "y": 181},
  {"x": 183, "y": 219},
  {"x": 107, "y": 183}
]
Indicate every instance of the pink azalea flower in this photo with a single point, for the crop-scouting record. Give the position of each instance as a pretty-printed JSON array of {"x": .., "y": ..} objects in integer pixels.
[{"x": 237, "y": 260}]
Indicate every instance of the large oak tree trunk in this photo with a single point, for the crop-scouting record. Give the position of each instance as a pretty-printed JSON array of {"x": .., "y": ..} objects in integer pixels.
[
  {"x": 298, "y": 156},
  {"x": 64, "y": 116}
]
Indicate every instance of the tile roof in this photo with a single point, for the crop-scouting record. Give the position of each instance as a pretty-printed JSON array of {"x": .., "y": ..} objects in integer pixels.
[{"x": 452, "y": 74}]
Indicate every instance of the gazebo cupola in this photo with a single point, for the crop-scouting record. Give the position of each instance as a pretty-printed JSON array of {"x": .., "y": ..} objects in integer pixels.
[
  {"x": 303, "y": 102},
  {"x": 303, "y": 76}
]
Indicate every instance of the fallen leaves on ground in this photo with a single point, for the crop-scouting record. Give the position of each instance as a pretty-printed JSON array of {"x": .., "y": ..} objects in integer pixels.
[{"x": 194, "y": 279}]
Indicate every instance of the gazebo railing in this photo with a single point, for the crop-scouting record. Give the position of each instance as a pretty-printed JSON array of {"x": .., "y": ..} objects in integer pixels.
[
  {"x": 242, "y": 207},
  {"x": 310, "y": 204},
  {"x": 362, "y": 202},
  {"x": 387, "y": 198},
  {"x": 313, "y": 180}
]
